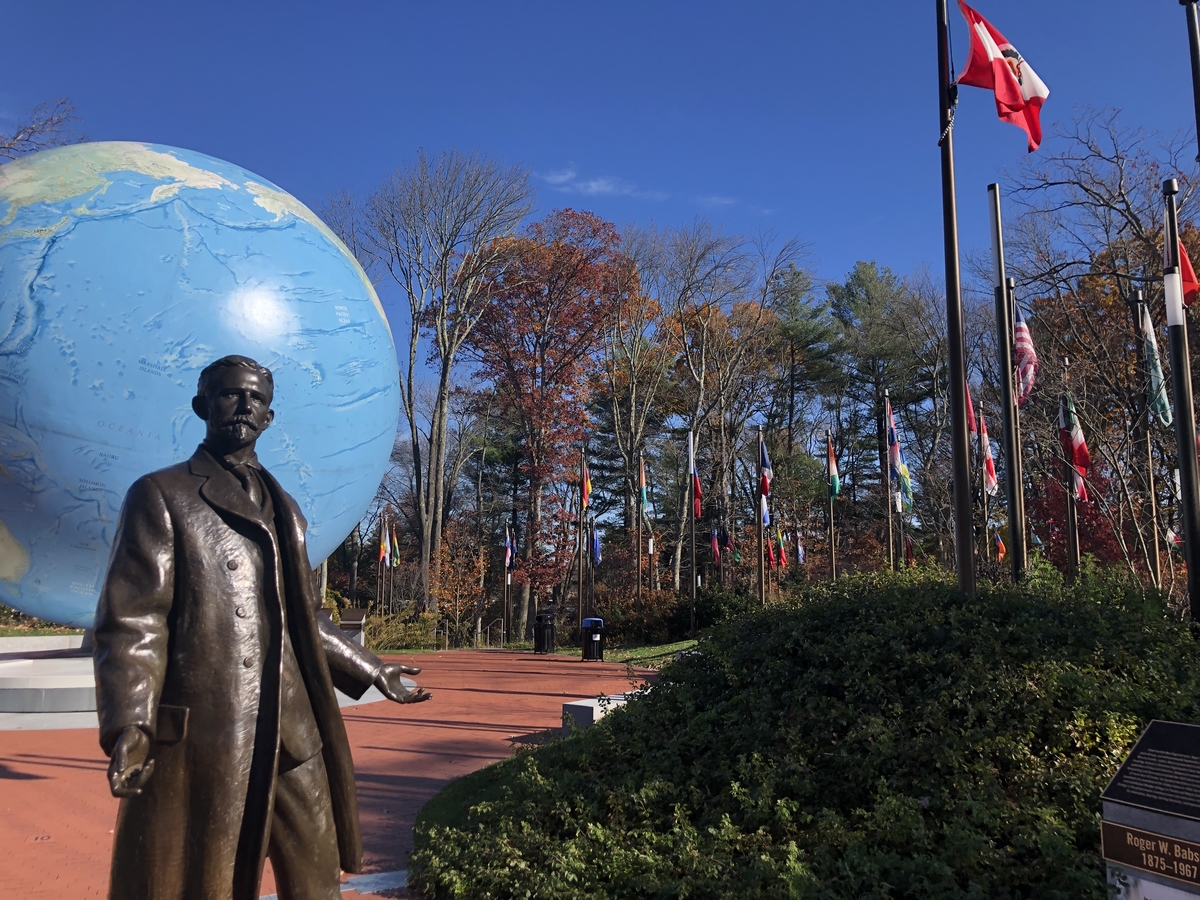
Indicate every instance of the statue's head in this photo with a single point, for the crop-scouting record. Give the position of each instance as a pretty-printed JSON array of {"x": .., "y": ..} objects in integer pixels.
[{"x": 233, "y": 396}]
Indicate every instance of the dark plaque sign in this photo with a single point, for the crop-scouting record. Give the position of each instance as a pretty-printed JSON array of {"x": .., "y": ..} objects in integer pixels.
[
  {"x": 1150, "y": 852},
  {"x": 1162, "y": 772}
]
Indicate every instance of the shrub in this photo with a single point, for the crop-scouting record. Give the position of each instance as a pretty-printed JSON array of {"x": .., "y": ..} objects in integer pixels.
[
  {"x": 625, "y": 621},
  {"x": 878, "y": 737},
  {"x": 714, "y": 605},
  {"x": 17, "y": 622},
  {"x": 400, "y": 632}
]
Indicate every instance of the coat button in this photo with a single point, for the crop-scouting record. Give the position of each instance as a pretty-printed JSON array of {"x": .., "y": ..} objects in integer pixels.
[
  {"x": 241, "y": 612},
  {"x": 248, "y": 661},
  {"x": 232, "y": 564}
]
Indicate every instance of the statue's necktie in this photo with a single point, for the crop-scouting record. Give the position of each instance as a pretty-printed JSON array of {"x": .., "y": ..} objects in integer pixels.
[{"x": 249, "y": 479}]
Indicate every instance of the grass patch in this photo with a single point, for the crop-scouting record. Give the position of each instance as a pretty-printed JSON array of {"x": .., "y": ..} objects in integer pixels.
[
  {"x": 450, "y": 807},
  {"x": 37, "y": 631},
  {"x": 650, "y": 656}
]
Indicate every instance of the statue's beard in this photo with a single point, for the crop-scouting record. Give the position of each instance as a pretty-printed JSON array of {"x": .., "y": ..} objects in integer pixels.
[{"x": 239, "y": 430}]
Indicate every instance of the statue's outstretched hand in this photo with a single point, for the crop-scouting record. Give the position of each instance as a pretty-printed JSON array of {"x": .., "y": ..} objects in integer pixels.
[
  {"x": 389, "y": 684},
  {"x": 128, "y": 770}
]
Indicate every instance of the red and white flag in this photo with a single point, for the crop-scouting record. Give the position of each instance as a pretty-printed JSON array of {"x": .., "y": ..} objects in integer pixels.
[
  {"x": 1074, "y": 447},
  {"x": 697, "y": 494},
  {"x": 994, "y": 64},
  {"x": 989, "y": 464},
  {"x": 1188, "y": 281},
  {"x": 971, "y": 427},
  {"x": 1026, "y": 358},
  {"x": 1191, "y": 287}
]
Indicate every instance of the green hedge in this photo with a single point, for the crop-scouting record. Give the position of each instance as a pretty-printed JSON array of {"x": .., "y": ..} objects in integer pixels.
[{"x": 875, "y": 738}]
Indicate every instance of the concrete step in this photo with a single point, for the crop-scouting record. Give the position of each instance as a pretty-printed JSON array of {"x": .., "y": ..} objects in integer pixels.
[
  {"x": 40, "y": 642},
  {"x": 47, "y": 685}
]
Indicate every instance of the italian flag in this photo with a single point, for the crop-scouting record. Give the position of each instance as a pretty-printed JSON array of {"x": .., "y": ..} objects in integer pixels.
[
  {"x": 1074, "y": 447},
  {"x": 835, "y": 483}
]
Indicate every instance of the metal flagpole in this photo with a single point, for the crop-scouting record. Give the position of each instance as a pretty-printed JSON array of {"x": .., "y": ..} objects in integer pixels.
[
  {"x": 582, "y": 539},
  {"x": 885, "y": 474},
  {"x": 1019, "y": 467},
  {"x": 641, "y": 510},
  {"x": 1193, "y": 26},
  {"x": 651, "y": 559},
  {"x": 510, "y": 553},
  {"x": 983, "y": 494},
  {"x": 1181, "y": 384},
  {"x": 828, "y": 474},
  {"x": 1138, "y": 310},
  {"x": 691, "y": 477},
  {"x": 762, "y": 588},
  {"x": 960, "y": 442},
  {"x": 1015, "y": 486},
  {"x": 591, "y": 564},
  {"x": 1069, "y": 476}
]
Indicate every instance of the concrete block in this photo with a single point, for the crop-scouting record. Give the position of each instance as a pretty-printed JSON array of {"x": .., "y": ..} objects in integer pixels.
[{"x": 586, "y": 713}]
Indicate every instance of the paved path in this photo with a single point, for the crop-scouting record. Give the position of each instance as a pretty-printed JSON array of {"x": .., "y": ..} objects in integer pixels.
[{"x": 58, "y": 815}]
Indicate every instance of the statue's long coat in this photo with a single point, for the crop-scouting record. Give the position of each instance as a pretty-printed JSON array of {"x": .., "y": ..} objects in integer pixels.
[{"x": 188, "y": 634}]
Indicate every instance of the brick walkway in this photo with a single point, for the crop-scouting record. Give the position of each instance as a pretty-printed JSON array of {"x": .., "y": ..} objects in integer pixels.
[{"x": 58, "y": 815}]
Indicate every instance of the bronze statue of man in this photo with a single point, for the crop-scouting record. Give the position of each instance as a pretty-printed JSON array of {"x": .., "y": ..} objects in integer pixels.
[{"x": 215, "y": 676}]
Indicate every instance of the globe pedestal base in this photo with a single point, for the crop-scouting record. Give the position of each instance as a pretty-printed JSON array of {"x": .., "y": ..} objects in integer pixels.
[{"x": 48, "y": 683}]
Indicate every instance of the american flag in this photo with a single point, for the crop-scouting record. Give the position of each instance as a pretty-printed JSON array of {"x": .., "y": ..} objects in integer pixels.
[{"x": 1027, "y": 361}]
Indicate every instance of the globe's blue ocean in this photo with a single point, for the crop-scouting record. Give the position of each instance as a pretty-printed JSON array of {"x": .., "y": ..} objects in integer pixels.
[{"x": 124, "y": 270}]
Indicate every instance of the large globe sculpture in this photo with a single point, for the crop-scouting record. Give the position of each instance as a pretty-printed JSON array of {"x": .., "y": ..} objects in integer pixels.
[{"x": 125, "y": 269}]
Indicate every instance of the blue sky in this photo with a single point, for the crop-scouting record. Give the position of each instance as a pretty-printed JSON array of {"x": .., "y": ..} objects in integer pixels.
[{"x": 817, "y": 120}]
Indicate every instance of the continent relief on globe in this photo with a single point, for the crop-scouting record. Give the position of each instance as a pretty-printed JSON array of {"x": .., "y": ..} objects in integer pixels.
[{"x": 126, "y": 268}]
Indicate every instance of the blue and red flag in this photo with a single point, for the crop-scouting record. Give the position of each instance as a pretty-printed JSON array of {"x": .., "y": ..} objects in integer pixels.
[
  {"x": 765, "y": 474},
  {"x": 697, "y": 494}
]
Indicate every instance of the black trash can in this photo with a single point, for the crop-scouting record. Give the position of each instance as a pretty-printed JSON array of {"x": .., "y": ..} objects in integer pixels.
[
  {"x": 593, "y": 640},
  {"x": 543, "y": 633}
]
